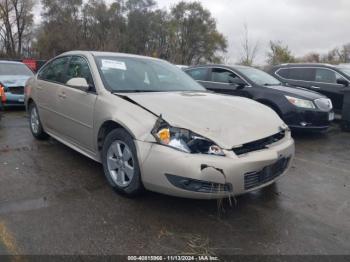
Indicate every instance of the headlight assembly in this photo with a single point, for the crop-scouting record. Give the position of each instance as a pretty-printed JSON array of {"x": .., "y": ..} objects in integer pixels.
[
  {"x": 184, "y": 140},
  {"x": 298, "y": 102}
]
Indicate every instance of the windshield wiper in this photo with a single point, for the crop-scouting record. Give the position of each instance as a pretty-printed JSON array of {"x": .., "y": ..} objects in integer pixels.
[
  {"x": 268, "y": 84},
  {"x": 136, "y": 91}
]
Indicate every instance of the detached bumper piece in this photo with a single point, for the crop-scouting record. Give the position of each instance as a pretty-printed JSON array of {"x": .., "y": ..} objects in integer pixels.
[
  {"x": 259, "y": 144},
  {"x": 269, "y": 173},
  {"x": 198, "y": 185}
]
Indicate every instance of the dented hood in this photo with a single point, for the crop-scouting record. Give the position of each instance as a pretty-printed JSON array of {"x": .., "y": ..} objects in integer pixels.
[{"x": 227, "y": 120}]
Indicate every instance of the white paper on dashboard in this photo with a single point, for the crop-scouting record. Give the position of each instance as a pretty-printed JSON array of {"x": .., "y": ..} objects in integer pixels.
[{"x": 113, "y": 64}]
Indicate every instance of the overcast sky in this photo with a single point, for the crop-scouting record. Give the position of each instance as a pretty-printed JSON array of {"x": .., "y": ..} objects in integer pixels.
[{"x": 305, "y": 25}]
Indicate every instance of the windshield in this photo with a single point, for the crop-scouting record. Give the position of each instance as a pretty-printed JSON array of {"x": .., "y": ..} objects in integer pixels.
[
  {"x": 14, "y": 70},
  {"x": 345, "y": 71},
  {"x": 130, "y": 74},
  {"x": 259, "y": 77}
]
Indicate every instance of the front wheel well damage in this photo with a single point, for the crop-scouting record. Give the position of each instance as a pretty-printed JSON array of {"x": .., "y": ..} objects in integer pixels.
[{"x": 105, "y": 129}]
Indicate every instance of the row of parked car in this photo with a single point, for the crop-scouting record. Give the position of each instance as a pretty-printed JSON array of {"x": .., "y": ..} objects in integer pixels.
[
  {"x": 153, "y": 127},
  {"x": 305, "y": 96}
]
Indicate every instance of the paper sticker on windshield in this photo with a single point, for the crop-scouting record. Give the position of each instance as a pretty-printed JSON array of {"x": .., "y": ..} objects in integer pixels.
[{"x": 113, "y": 64}]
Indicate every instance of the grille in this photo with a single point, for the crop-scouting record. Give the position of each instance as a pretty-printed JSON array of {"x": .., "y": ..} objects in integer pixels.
[
  {"x": 324, "y": 104},
  {"x": 17, "y": 90},
  {"x": 198, "y": 185},
  {"x": 259, "y": 144},
  {"x": 269, "y": 173}
]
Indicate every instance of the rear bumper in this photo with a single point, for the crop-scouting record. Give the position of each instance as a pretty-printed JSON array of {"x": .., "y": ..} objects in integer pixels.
[{"x": 168, "y": 171}]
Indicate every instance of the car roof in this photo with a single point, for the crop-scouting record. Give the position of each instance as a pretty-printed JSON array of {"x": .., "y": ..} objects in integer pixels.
[
  {"x": 11, "y": 62},
  {"x": 237, "y": 67},
  {"x": 99, "y": 53},
  {"x": 306, "y": 65}
]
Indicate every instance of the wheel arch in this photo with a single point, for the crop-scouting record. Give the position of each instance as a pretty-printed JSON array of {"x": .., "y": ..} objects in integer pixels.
[
  {"x": 106, "y": 128},
  {"x": 29, "y": 102}
]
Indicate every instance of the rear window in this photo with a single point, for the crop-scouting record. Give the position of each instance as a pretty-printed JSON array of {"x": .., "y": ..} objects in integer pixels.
[
  {"x": 15, "y": 69},
  {"x": 325, "y": 76},
  {"x": 303, "y": 74}
]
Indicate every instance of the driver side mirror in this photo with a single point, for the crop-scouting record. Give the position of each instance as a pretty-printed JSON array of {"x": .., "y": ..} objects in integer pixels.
[
  {"x": 79, "y": 83},
  {"x": 343, "y": 82},
  {"x": 238, "y": 82}
]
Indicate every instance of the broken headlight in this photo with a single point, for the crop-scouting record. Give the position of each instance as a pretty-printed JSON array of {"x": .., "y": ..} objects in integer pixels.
[{"x": 184, "y": 140}]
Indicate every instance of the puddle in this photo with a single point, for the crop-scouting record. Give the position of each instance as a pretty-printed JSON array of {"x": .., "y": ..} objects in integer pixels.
[{"x": 23, "y": 205}]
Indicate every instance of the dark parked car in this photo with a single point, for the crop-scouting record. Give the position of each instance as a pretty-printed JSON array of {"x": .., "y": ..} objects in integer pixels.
[
  {"x": 298, "y": 107},
  {"x": 13, "y": 76},
  {"x": 326, "y": 79}
]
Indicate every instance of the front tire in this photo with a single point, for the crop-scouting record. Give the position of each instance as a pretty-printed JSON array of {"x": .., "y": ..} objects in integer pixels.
[
  {"x": 35, "y": 124},
  {"x": 120, "y": 163}
]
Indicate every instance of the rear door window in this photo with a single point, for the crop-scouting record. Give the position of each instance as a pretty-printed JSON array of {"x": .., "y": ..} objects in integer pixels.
[{"x": 303, "y": 74}]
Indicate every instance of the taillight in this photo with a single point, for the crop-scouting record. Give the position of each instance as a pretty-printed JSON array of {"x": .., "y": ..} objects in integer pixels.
[{"x": 2, "y": 93}]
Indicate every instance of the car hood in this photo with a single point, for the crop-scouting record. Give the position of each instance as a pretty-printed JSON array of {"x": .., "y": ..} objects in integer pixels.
[
  {"x": 228, "y": 121},
  {"x": 10, "y": 80},
  {"x": 298, "y": 92}
]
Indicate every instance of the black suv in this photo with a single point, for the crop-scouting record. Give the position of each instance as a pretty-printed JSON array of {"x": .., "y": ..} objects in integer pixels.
[
  {"x": 327, "y": 79},
  {"x": 298, "y": 107}
]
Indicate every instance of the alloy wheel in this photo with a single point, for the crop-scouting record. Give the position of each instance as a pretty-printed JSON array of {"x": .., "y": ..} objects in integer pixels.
[
  {"x": 34, "y": 120},
  {"x": 120, "y": 163}
]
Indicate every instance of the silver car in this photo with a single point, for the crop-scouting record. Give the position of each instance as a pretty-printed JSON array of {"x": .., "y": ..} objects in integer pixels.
[
  {"x": 153, "y": 127},
  {"x": 13, "y": 76}
]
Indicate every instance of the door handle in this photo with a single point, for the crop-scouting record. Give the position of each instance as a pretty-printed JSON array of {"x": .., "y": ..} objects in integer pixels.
[
  {"x": 62, "y": 95},
  {"x": 315, "y": 87}
]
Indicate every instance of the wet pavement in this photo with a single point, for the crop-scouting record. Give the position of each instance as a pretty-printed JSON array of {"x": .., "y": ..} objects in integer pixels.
[{"x": 56, "y": 201}]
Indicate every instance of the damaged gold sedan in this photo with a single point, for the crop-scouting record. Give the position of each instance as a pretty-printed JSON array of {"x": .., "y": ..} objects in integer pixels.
[{"x": 153, "y": 127}]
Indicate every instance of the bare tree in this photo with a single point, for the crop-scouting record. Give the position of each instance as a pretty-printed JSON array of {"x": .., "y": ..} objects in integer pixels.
[
  {"x": 311, "y": 57},
  {"x": 15, "y": 22},
  {"x": 6, "y": 27},
  {"x": 249, "y": 49},
  {"x": 343, "y": 53}
]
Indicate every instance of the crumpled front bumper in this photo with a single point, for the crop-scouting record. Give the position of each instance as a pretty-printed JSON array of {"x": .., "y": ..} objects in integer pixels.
[{"x": 164, "y": 169}]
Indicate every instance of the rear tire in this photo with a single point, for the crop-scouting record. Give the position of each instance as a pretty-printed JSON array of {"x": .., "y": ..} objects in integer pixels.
[
  {"x": 120, "y": 163},
  {"x": 35, "y": 124}
]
